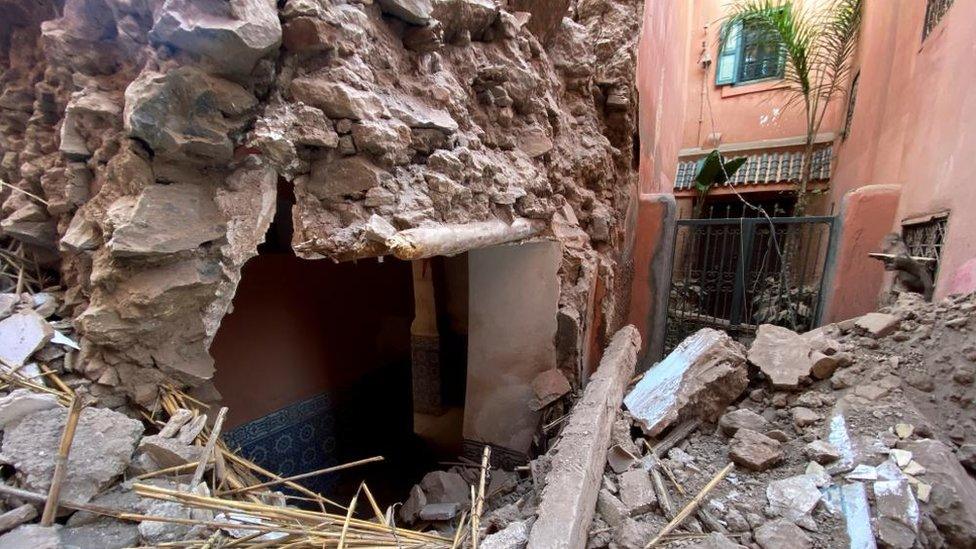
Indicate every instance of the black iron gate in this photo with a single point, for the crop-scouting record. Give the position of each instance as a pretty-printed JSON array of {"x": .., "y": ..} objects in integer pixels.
[{"x": 735, "y": 274}]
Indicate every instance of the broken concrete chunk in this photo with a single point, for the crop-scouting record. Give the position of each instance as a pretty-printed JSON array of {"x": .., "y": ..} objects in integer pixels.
[
  {"x": 877, "y": 324},
  {"x": 513, "y": 536},
  {"x": 155, "y": 532},
  {"x": 21, "y": 335},
  {"x": 445, "y": 487},
  {"x": 632, "y": 534},
  {"x": 102, "y": 447},
  {"x": 793, "y": 498},
  {"x": 548, "y": 387},
  {"x": 440, "y": 511},
  {"x": 754, "y": 450},
  {"x": 781, "y": 534},
  {"x": 897, "y": 513},
  {"x": 823, "y": 366},
  {"x": 804, "y": 417},
  {"x": 742, "y": 419},
  {"x": 21, "y": 403},
  {"x": 7, "y": 304},
  {"x": 637, "y": 492},
  {"x": 782, "y": 355},
  {"x": 699, "y": 378}
]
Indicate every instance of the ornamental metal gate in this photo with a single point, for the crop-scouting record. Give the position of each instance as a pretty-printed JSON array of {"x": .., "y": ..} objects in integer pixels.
[{"x": 735, "y": 274}]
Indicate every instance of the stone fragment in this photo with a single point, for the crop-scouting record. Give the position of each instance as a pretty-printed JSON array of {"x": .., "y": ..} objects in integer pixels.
[
  {"x": 102, "y": 447},
  {"x": 167, "y": 219},
  {"x": 863, "y": 472},
  {"x": 754, "y": 451},
  {"x": 445, "y": 487},
  {"x": 870, "y": 391},
  {"x": 818, "y": 473},
  {"x": 169, "y": 452},
  {"x": 336, "y": 99},
  {"x": 32, "y": 536},
  {"x": 416, "y": 12},
  {"x": 781, "y": 534},
  {"x": 232, "y": 35},
  {"x": 821, "y": 452},
  {"x": 698, "y": 379},
  {"x": 633, "y": 534},
  {"x": 803, "y": 417},
  {"x": 21, "y": 403},
  {"x": 793, "y": 498},
  {"x": 31, "y": 224},
  {"x": 877, "y": 325},
  {"x": 967, "y": 456},
  {"x": 415, "y": 502},
  {"x": 7, "y": 304},
  {"x": 341, "y": 177},
  {"x": 440, "y": 511},
  {"x": 901, "y": 457},
  {"x": 952, "y": 504},
  {"x": 742, "y": 419},
  {"x": 897, "y": 513},
  {"x": 17, "y": 516},
  {"x": 21, "y": 335},
  {"x": 610, "y": 508},
  {"x": 534, "y": 142},
  {"x": 186, "y": 115},
  {"x": 156, "y": 532},
  {"x": 823, "y": 365},
  {"x": 782, "y": 355},
  {"x": 513, "y": 536},
  {"x": 637, "y": 492},
  {"x": 105, "y": 534},
  {"x": 548, "y": 387},
  {"x": 716, "y": 540}
]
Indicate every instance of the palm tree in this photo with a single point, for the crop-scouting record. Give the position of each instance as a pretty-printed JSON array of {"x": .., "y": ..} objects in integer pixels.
[{"x": 817, "y": 40}]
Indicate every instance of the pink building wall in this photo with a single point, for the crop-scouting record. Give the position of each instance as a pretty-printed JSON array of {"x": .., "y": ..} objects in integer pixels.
[
  {"x": 742, "y": 113},
  {"x": 662, "y": 56},
  {"x": 913, "y": 123}
]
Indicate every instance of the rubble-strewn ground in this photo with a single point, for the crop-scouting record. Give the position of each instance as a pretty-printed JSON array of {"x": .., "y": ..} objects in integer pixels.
[{"x": 900, "y": 381}]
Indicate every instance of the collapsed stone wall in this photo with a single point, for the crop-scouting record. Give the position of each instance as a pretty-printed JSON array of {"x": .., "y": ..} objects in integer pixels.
[{"x": 150, "y": 138}]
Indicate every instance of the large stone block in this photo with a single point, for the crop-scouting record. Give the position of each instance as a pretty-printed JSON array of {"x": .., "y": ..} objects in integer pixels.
[
  {"x": 699, "y": 378},
  {"x": 168, "y": 219}
]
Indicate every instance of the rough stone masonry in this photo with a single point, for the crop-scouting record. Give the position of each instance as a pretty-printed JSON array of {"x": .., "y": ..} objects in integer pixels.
[{"x": 150, "y": 138}]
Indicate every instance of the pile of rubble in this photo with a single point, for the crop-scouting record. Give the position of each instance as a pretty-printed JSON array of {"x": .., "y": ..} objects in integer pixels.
[
  {"x": 856, "y": 434},
  {"x": 83, "y": 469}
]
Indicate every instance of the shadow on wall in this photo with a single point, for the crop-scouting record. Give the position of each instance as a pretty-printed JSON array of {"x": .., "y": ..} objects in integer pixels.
[{"x": 314, "y": 363}]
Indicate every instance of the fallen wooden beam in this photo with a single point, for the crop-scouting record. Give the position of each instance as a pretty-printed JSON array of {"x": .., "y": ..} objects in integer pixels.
[
  {"x": 569, "y": 498},
  {"x": 423, "y": 242},
  {"x": 922, "y": 259}
]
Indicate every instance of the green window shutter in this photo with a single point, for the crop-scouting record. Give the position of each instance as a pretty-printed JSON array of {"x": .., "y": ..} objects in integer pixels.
[{"x": 727, "y": 66}]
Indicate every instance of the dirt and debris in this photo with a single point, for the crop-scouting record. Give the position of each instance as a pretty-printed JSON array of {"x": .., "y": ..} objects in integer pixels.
[{"x": 883, "y": 459}]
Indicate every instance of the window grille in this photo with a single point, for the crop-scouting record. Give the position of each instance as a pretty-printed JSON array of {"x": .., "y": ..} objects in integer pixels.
[
  {"x": 851, "y": 100},
  {"x": 749, "y": 51},
  {"x": 925, "y": 239},
  {"x": 934, "y": 11}
]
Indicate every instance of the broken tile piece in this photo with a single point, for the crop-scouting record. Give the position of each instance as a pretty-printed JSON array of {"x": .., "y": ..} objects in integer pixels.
[
  {"x": 21, "y": 335},
  {"x": 699, "y": 378}
]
